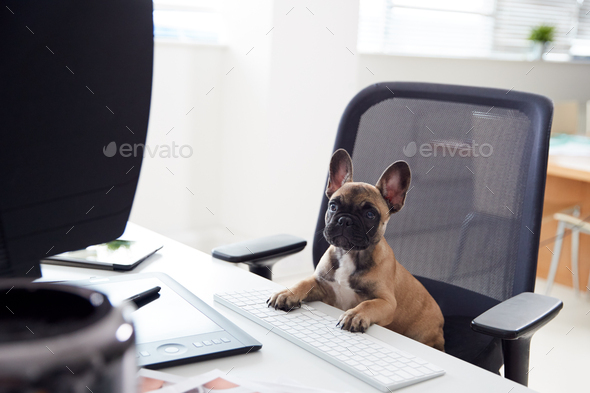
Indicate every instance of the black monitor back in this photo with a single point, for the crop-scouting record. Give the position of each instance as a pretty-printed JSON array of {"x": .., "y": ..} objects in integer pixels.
[{"x": 75, "y": 77}]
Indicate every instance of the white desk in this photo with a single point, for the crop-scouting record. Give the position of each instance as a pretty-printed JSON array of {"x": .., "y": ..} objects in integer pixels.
[{"x": 204, "y": 276}]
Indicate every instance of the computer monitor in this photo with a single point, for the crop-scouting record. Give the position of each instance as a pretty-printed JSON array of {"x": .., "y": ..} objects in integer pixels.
[{"x": 75, "y": 88}]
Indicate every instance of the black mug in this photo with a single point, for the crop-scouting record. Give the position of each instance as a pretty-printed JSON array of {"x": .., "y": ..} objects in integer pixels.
[{"x": 58, "y": 338}]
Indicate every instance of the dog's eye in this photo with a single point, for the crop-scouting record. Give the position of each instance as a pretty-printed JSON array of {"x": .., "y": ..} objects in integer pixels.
[
  {"x": 370, "y": 215},
  {"x": 333, "y": 207}
]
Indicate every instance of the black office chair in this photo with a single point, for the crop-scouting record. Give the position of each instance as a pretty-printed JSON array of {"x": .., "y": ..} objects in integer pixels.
[{"x": 469, "y": 230}]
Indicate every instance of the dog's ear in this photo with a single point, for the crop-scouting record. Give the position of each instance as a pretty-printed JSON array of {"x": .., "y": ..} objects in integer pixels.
[
  {"x": 393, "y": 185},
  {"x": 340, "y": 171}
]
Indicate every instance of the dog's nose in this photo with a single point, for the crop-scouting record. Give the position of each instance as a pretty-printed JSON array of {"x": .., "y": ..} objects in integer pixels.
[{"x": 345, "y": 221}]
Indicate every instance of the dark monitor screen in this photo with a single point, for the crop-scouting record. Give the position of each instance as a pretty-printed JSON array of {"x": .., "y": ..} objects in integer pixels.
[{"x": 75, "y": 76}]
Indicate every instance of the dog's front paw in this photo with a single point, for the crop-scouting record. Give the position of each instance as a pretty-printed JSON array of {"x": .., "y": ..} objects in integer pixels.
[
  {"x": 284, "y": 300},
  {"x": 354, "y": 321}
]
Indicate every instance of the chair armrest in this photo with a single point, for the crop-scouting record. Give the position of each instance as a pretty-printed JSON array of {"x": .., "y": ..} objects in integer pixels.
[
  {"x": 260, "y": 249},
  {"x": 517, "y": 317}
]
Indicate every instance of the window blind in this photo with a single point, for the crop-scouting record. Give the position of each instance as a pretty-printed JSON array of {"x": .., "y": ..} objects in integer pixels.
[
  {"x": 476, "y": 28},
  {"x": 196, "y": 21}
]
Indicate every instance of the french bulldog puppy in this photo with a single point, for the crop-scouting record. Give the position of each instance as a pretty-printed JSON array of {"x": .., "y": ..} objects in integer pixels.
[{"x": 359, "y": 273}]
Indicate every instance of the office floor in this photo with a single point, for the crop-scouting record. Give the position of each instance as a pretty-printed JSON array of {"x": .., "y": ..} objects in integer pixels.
[{"x": 560, "y": 351}]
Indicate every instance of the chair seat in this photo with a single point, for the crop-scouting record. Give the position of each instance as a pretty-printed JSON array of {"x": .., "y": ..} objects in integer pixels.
[
  {"x": 475, "y": 348},
  {"x": 459, "y": 307}
]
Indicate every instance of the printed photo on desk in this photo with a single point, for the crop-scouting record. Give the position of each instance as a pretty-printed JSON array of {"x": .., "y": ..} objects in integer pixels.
[{"x": 216, "y": 381}]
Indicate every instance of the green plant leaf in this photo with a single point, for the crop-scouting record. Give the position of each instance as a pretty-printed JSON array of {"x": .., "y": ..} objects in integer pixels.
[{"x": 542, "y": 33}]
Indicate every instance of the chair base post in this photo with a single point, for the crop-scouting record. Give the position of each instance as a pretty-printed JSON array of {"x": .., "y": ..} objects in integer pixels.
[
  {"x": 516, "y": 359},
  {"x": 262, "y": 271},
  {"x": 263, "y": 268}
]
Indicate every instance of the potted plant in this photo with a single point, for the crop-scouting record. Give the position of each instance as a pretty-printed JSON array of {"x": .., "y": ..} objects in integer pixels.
[{"x": 541, "y": 36}]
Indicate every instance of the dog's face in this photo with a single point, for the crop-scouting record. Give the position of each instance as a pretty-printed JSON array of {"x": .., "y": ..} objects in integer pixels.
[{"x": 358, "y": 212}]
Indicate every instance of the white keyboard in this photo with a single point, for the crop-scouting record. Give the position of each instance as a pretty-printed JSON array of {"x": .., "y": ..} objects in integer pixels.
[{"x": 360, "y": 355}]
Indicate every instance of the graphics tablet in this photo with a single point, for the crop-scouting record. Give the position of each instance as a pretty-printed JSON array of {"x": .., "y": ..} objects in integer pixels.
[{"x": 175, "y": 328}]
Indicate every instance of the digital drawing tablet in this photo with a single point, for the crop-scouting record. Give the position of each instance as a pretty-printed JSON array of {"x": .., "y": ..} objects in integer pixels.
[
  {"x": 115, "y": 255},
  {"x": 177, "y": 327}
]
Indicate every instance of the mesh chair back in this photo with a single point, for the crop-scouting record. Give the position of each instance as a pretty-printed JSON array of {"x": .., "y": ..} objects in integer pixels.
[{"x": 478, "y": 158}]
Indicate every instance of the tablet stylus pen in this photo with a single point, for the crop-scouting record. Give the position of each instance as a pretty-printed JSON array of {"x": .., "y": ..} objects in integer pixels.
[{"x": 137, "y": 299}]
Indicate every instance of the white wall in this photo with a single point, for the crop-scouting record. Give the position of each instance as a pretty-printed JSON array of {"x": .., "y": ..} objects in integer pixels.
[
  {"x": 262, "y": 137},
  {"x": 310, "y": 85},
  {"x": 244, "y": 129},
  {"x": 183, "y": 74},
  {"x": 558, "y": 81}
]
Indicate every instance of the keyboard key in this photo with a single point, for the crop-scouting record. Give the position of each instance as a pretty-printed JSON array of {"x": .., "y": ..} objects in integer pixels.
[
  {"x": 415, "y": 373},
  {"x": 198, "y": 345},
  {"x": 216, "y": 341},
  {"x": 207, "y": 343},
  {"x": 365, "y": 362}
]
